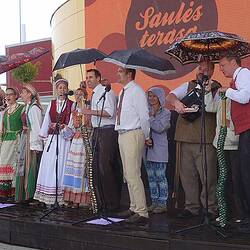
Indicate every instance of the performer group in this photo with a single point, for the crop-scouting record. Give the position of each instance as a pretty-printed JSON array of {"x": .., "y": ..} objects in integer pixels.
[{"x": 79, "y": 153}]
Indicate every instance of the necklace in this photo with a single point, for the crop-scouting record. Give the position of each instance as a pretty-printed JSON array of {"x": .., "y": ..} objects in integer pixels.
[{"x": 12, "y": 108}]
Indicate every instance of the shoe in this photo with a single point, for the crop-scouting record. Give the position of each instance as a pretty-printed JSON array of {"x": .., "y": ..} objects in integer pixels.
[
  {"x": 125, "y": 214},
  {"x": 186, "y": 214},
  {"x": 244, "y": 228},
  {"x": 213, "y": 216},
  {"x": 151, "y": 207},
  {"x": 34, "y": 203},
  {"x": 160, "y": 209},
  {"x": 75, "y": 205},
  {"x": 244, "y": 221},
  {"x": 137, "y": 219}
]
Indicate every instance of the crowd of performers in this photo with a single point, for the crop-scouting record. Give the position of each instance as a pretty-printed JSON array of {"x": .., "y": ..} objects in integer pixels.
[{"x": 101, "y": 142}]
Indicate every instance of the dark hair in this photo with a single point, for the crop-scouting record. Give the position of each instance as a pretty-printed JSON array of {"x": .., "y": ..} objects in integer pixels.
[
  {"x": 231, "y": 56},
  {"x": 132, "y": 72},
  {"x": 96, "y": 72}
]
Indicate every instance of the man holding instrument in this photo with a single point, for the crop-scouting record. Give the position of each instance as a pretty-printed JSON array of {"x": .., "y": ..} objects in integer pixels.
[{"x": 189, "y": 155}]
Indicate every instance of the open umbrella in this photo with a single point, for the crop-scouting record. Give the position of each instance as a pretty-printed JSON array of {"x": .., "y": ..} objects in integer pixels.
[
  {"x": 140, "y": 59},
  {"x": 208, "y": 45},
  {"x": 78, "y": 57},
  {"x": 15, "y": 60}
]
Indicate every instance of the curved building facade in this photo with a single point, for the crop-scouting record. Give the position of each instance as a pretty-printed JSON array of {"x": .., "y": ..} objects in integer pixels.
[
  {"x": 68, "y": 33},
  {"x": 110, "y": 25}
]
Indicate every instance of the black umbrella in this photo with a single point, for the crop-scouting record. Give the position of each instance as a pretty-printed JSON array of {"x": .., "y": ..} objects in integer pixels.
[
  {"x": 78, "y": 56},
  {"x": 140, "y": 59},
  {"x": 208, "y": 45}
]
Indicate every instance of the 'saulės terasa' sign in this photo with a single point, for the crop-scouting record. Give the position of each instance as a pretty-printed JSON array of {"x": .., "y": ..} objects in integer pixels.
[{"x": 155, "y": 25}]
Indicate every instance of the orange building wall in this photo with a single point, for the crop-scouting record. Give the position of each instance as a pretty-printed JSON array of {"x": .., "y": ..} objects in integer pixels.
[{"x": 105, "y": 28}]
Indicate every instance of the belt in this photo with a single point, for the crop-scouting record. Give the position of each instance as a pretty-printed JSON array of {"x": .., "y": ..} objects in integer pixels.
[
  {"x": 105, "y": 126},
  {"x": 123, "y": 131}
]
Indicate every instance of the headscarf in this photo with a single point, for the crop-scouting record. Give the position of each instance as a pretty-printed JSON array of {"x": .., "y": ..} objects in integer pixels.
[{"x": 62, "y": 80}]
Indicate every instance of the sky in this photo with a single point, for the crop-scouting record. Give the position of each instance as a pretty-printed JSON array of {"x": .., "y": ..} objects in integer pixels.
[{"x": 36, "y": 15}]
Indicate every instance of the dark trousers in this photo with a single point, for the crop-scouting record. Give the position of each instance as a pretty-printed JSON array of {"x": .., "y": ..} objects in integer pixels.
[
  {"x": 234, "y": 185},
  {"x": 107, "y": 170},
  {"x": 244, "y": 151}
]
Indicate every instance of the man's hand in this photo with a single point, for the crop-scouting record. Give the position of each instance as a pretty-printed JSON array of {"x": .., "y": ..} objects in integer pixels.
[
  {"x": 223, "y": 89},
  {"x": 179, "y": 107},
  {"x": 149, "y": 142}
]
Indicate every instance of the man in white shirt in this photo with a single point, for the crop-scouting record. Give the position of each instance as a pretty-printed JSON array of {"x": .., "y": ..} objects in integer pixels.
[
  {"x": 132, "y": 124},
  {"x": 107, "y": 175},
  {"x": 239, "y": 93}
]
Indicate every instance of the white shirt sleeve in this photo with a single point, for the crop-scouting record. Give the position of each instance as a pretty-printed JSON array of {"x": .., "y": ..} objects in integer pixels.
[
  {"x": 180, "y": 91},
  {"x": 242, "y": 92},
  {"x": 46, "y": 122},
  {"x": 35, "y": 117},
  {"x": 211, "y": 103},
  {"x": 141, "y": 106},
  {"x": 110, "y": 103}
]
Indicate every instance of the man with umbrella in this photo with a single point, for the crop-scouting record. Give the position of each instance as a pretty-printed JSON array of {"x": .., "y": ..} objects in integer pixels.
[
  {"x": 239, "y": 93},
  {"x": 188, "y": 137},
  {"x": 106, "y": 165},
  {"x": 132, "y": 124}
]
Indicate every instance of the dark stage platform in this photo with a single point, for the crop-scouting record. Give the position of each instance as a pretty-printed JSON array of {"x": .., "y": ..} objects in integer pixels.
[{"x": 20, "y": 225}]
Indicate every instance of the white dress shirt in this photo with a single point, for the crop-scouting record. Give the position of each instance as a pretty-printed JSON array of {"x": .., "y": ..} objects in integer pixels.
[
  {"x": 134, "y": 111},
  {"x": 242, "y": 83},
  {"x": 35, "y": 118},
  {"x": 214, "y": 105},
  {"x": 109, "y": 106},
  {"x": 180, "y": 91}
]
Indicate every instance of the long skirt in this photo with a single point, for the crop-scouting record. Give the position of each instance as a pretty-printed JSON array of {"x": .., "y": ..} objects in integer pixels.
[
  {"x": 27, "y": 170},
  {"x": 8, "y": 160},
  {"x": 46, "y": 181},
  {"x": 75, "y": 180}
]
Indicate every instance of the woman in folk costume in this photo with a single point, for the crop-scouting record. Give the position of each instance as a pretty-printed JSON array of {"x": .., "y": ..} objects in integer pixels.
[
  {"x": 10, "y": 136},
  {"x": 75, "y": 181},
  {"x": 30, "y": 146},
  {"x": 46, "y": 181}
]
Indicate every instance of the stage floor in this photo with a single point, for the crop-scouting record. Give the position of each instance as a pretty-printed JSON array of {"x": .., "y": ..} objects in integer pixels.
[{"x": 20, "y": 225}]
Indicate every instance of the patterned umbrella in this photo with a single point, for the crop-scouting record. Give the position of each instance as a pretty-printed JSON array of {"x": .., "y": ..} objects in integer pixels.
[
  {"x": 15, "y": 60},
  {"x": 208, "y": 45}
]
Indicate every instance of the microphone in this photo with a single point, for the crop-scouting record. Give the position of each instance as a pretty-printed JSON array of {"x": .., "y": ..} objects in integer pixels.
[
  {"x": 107, "y": 89},
  {"x": 201, "y": 78},
  {"x": 70, "y": 93}
]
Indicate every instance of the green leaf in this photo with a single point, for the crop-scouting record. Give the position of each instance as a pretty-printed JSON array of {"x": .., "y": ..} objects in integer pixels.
[{"x": 26, "y": 73}]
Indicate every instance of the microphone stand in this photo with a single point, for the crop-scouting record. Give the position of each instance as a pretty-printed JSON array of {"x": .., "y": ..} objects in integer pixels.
[
  {"x": 55, "y": 131},
  {"x": 206, "y": 222},
  {"x": 100, "y": 215}
]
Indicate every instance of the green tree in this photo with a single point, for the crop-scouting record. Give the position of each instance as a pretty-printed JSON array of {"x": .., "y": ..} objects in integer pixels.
[{"x": 26, "y": 73}]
